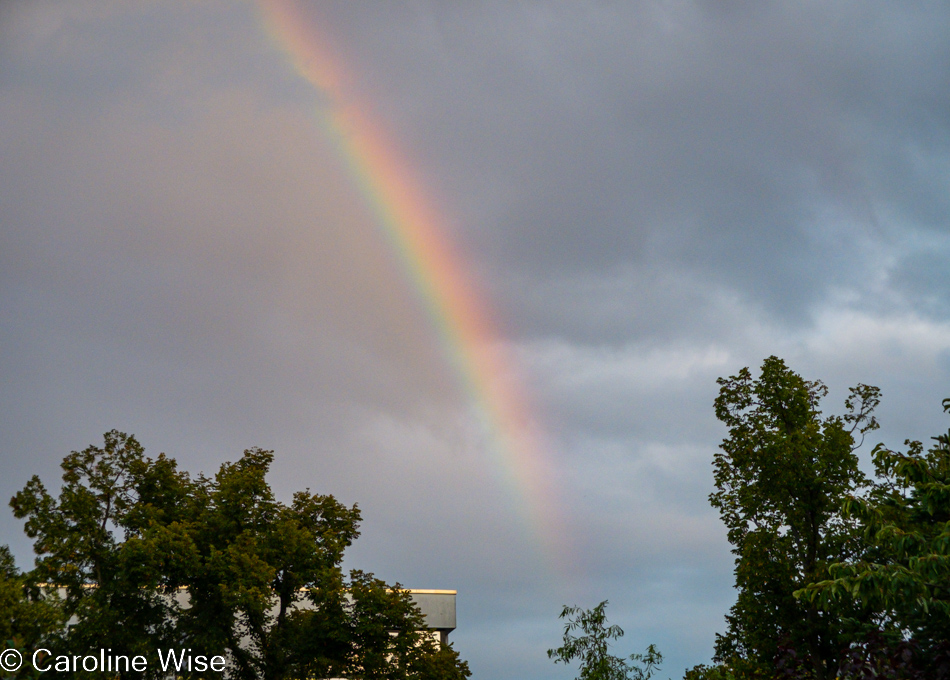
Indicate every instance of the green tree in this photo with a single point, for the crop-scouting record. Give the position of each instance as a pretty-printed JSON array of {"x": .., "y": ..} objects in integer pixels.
[
  {"x": 903, "y": 574},
  {"x": 592, "y": 648},
  {"x": 78, "y": 539},
  {"x": 781, "y": 476},
  {"x": 147, "y": 557},
  {"x": 28, "y": 615}
]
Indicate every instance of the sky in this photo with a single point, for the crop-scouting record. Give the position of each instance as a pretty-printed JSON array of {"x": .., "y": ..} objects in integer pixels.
[{"x": 640, "y": 197}]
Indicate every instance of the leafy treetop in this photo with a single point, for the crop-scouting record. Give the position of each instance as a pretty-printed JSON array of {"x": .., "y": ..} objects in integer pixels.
[
  {"x": 128, "y": 535},
  {"x": 592, "y": 648},
  {"x": 781, "y": 476}
]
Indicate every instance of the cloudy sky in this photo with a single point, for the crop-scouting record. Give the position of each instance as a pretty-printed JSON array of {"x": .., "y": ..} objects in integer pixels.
[{"x": 646, "y": 195}]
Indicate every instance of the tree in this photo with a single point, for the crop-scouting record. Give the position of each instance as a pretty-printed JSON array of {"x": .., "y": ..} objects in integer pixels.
[
  {"x": 24, "y": 613},
  {"x": 781, "y": 476},
  {"x": 903, "y": 573},
  {"x": 592, "y": 648},
  {"x": 27, "y": 615},
  {"x": 106, "y": 491},
  {"x": 149, "y": 558}
]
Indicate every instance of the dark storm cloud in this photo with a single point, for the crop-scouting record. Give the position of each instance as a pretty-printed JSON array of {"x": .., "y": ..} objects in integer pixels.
[{"x": 708, "y": 137}]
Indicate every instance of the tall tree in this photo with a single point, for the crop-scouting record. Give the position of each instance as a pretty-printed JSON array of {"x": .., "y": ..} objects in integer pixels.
[
  {"x": 104, "y": 544},
  {"x": 150, "y": 558},
  {"x": 781, "y": 476},
  {"x": 903, "y": 573}
]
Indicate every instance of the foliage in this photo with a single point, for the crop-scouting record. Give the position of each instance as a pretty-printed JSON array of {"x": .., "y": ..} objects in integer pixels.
[
  {"x": 903, "y": 575},
  {"x": 27, "y": 616},
  {"x": 704, "y": 672},
  {"x": 781, "y": 476},
  {"x": 104, "y": 491},
  {"x": 878, "y": 656},
  {"x": 592, "y": 648},
  {"x": 148, "y": 558}
]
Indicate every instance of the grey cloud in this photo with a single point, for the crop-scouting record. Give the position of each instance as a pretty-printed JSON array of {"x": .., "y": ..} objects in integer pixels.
[{"x": 682, "y": 134}]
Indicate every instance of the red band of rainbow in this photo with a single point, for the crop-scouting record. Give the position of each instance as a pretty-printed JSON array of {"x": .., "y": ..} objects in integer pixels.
[{"x": 458, "y": 315}]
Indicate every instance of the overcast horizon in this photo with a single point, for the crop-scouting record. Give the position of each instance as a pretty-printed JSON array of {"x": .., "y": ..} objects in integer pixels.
[{"x": 646, "y": 195}]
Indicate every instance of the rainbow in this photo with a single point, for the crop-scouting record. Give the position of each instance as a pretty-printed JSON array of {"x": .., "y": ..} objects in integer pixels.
[{"x": 458, "y": 315}]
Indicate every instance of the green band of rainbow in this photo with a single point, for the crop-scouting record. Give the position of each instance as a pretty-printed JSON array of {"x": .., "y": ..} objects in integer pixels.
[{"x": 458, "y": 315}]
